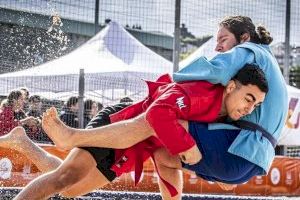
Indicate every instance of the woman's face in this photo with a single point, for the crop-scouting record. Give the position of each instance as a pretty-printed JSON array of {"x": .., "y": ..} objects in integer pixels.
[
  {"x": 225, "y": 40},
  {"x": 19, "y": 103},
  {"x": 94, "y": 110}
]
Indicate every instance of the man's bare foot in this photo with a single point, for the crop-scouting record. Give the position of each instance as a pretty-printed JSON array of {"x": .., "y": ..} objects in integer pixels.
[
  {"x": 16, "y": 139},
  {"x": 57, "y": 130}
]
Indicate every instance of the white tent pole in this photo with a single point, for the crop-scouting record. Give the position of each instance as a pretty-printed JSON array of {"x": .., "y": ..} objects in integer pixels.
[{"x": 80, "y": 98}]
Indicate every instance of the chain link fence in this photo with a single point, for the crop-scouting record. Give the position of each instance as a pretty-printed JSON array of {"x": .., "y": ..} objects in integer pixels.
[{"x": 54, "y": 39}]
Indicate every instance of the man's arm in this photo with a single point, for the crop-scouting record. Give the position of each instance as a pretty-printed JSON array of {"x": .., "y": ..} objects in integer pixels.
[
  {"x": 163, "y": 115},
  {"x": 163, "y": 119}
]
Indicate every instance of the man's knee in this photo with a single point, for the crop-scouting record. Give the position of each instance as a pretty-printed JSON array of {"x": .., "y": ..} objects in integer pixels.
[
  {"x": 68, "y": 176},
  {"x": 164, "y": 159},
  {"x": 68, "y": 194}
]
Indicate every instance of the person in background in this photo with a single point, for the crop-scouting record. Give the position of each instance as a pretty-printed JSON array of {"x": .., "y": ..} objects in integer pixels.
[
  {"x": 21, "y": 113},
  {"x": 90, "y": 111},
  {"x": 126, "y": 100},
  {"x": 35, "y": 107},
  {"x": 100, "y": 106},
  {"x": 69, "y": 114},
  {"x": 8, "y": 107},
  {"x": 35, "y": 110}
]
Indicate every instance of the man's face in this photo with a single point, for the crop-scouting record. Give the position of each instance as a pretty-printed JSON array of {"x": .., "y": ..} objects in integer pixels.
[
  {"x": 75, "y": 108},
  {"x": 36, "y": 105},
  {"x": 241, "y": 100},
  {"x": 225, "y": 40}
]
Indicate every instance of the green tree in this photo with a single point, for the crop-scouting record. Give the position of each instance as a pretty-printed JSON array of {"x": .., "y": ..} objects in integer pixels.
[{"x": 295, "y": 76}]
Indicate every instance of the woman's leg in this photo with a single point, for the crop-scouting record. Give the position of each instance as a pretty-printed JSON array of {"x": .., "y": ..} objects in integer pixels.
[
  {"x": 19, "y": 141},
  {"x": 119, "y": 135}
]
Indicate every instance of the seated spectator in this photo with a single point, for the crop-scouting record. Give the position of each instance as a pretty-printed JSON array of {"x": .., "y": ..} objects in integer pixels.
[
  {"x": 90, "y": 111},
  {"x": 126, "y": 100},
  {"x": 8, "y": 107},
  {"x": 102, "y": 118},
  {"x": 69, "y": 114},
  {"x": 35, "y": 107},
  {"x": 100, "y": 106},
  {"x": 20, "y": 113},
  {"x": 34, "y": 110},
  {"x": 25, "y": 93}
]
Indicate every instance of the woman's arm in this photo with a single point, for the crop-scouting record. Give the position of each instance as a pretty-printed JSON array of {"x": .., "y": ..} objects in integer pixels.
[{"x": 220, "y": 69}]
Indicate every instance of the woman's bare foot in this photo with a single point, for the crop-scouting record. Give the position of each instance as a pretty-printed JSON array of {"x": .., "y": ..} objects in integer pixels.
[
  {"x": 57, "y": 130},
  {"x": 16, "y": 139}
]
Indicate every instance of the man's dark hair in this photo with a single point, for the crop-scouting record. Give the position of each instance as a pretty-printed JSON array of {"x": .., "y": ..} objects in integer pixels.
[
  {"x": 252, "y": 74},
  {"x": 126, "y": 100},
  {"x": 34, "y": 98},
  {"x": 71, "y": 101}
]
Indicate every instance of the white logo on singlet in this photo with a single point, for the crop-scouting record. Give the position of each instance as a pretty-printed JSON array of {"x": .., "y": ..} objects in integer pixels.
[{"x": 180, "y": 102}]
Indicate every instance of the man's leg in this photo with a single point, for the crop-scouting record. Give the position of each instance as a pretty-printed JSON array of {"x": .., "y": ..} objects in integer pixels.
[
  {"x": 75, "y": 176},
  {"x": 119, "y": 135},
  {"x": 92, "y": 181},
  {"x": 19, "y": 141},
  {"x": 169, "y": 168}
]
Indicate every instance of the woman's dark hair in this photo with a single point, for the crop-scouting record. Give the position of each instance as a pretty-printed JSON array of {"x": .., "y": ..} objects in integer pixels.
[
  {"x": 88, "y": 104},
  {"x": 71, "y": 101},
  {"x": 238, "y": 25},
  {"x": 13, "y": 95}
]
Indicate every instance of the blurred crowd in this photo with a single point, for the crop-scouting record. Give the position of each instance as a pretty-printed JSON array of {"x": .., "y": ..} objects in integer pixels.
[{"x": 20, "y": 108}]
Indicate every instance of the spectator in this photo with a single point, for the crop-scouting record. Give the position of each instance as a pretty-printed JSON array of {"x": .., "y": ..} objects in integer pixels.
[
  {"x": 35, "y": 106},
  {"x": 90, "y": 110},
  {"x": 34, "y": 110},
  {"x": 8, "y": 107},
  {"x": 100, "y": 106},
  {"x": 102, "y": 118},
  {"x": 25, "y": 93},
  {"x": 126, "y": 100},
  {"x": 69, "y": 114}
]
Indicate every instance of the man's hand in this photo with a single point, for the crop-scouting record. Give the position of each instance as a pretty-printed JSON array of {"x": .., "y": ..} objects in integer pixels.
[
  {"x": 191, "y": 156},
  {"x": 225, "y": 186}
]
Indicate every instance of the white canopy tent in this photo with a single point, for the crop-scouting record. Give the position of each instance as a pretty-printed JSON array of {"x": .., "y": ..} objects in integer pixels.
[
  {"x": 207, "y": 50},
  {"x": 112, "y": 60}
]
